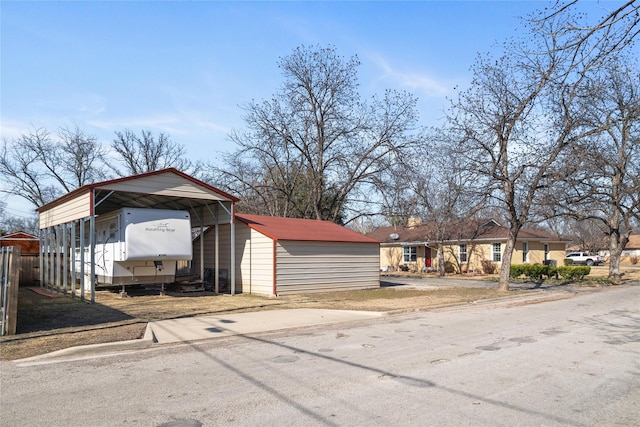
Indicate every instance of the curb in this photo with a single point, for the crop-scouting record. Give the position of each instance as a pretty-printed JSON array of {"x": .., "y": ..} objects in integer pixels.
[{"x": 89, "y": 350}]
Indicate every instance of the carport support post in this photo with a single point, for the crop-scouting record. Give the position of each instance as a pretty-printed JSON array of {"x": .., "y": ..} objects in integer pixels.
[
  {"x": 74, "y": 275},
  {"x": 216, "y": 270},
  {"x": 57, "y": 258},
  {"x": 202, "y": 247},
  {"x": 52, "y": 269},
  {"x": 65, "y": 263},
  {"x": 233, "y": 249},
  {"x": 82, "y": 259},
  {"x": 41, "y": 260},
  {"x": 92, "y": 246}
]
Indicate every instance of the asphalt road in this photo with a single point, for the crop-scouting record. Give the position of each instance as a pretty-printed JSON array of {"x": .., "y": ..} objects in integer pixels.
[{"x": 570, "y": 362}]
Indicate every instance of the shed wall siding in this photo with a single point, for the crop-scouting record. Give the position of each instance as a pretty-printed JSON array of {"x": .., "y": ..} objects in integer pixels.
[
  {"x": 304, "y": 267},
  {"x": 71, "y": 210},
  {"x": 254, "y": 260},
  {"x": 210, "y": 250}
]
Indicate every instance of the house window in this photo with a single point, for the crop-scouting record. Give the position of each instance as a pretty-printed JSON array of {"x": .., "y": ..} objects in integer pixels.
[
  {"x": 496, "y": 249},
  {"x": 409, "y": 254},
  {"x": 462, "y": 254},
  {"x": 525, "y": 252},
  {"x": 546, "y": 251}
]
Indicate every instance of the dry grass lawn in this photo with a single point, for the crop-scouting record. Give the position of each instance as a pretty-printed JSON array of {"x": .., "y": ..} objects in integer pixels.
[{"x": 47, "y": 323}]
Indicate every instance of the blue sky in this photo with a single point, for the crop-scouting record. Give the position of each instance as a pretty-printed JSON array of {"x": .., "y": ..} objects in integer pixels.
[{"x": 187, "y": 68}]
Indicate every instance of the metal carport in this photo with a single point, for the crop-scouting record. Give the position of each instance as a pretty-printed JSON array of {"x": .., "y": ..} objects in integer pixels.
[{"x": 62, "y": 222}]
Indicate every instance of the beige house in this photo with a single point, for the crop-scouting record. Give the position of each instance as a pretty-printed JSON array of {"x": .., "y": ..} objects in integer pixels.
[
  {"x": 467, "y": 246},
  {"x": 631, "y": 253}
]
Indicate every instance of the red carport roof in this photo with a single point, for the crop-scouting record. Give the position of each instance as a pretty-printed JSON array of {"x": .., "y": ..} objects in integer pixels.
[{"x": 279, "y": 228}]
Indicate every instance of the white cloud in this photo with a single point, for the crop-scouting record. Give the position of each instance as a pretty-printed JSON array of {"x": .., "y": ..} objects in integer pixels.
[
  {"x": 423, "y": 82},
  {"x": 164, "y": 122},
  {"x": 182, "y": 123},
  {"x": 211, "y": 125},
  {"x": 11, "y": 129},
  {"x": 91, "y": 105}
]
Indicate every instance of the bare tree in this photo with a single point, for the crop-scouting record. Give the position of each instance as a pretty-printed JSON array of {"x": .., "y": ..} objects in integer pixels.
[
  {"x": 588, "y": 235},
  {"x": 146, "y": 153},
  {"x": 39, "y": 167},
  {"x": 443, "y": 187},
  {"x": 315, "y": 146},
  {"x": 521, "y": 112},
  {"x": 612, "y": 32},
  {"x": 272, "y": 183},
  {"x": 80, "y": 156},
  {"x": 604, "y": 187},
  {"x": 12, "y": 224},
  {"x": 365, "y": 225},
  {"x": 398, "y": 198}
]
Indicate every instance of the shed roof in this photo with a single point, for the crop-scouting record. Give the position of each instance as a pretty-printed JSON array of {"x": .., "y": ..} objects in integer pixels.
[
  {"x": 295, "y": 229},
  {"x": 19, "y": 235},
  {"x": 28, "y": 243}
]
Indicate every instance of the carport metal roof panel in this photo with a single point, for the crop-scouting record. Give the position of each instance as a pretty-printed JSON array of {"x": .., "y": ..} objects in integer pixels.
[
  {"x": 162, "y": 189},
  {"x": 295, "y": 229}
]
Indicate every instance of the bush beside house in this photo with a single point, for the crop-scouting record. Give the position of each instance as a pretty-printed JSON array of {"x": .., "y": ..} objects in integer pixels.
[{"x": 539, "y": 272}]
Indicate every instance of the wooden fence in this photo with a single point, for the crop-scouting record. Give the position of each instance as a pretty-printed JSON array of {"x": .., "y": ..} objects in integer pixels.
[
  {"x": 29, "y": 270},
  {"x": 9, "y": 283}
]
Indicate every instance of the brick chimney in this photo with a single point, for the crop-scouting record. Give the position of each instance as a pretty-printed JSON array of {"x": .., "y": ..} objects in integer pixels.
[{"x": 413, "y": 222}]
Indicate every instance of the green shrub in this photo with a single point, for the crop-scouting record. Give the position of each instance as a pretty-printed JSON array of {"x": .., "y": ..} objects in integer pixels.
[
  {"x": 540, "y": 271},
  {"x": 533, "y": 271},
  {"x": 568, "y": 261},
  {"x": 537, "y": 271},
  {"x": 516, "y": 270},
  {"x": 577, "y": 272}
]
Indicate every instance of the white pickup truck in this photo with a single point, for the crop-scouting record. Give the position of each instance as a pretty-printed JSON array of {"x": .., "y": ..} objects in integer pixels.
[{"x": 585, "y": 258}]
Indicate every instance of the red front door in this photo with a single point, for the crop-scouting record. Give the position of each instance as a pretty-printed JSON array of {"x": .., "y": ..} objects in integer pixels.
[{"x": 427, "y": 257}]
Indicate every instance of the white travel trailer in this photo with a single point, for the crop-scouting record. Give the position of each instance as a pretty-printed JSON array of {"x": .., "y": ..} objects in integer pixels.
[{"x": 139, "y": 246}]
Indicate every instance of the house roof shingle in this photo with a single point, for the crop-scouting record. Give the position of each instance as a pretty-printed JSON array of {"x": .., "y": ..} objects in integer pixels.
[
  {"x": 295, "y": 229},
  {"x": 462, "y": 230},
  {"x": 634, "y": 242}
]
